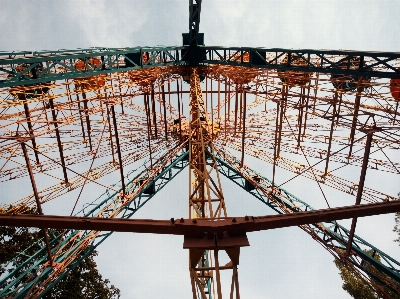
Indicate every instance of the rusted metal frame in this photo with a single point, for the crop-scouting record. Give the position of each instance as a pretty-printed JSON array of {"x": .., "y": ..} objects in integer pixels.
[
  {"x": 282, "y": 112},
  {"x": 147, "y": 109},
  {"x": 360, "y": 188},
  {"x": 153, "y": 111},
  {"x": 206, "y": 92},
  {"x": 200, "y": 286},
  {"x": 355, "y": 115},
  {"x": 121, "y": 169},
  {"x": 308, "y": 162},
  {"x": 110, "y": 130},
  {"x": 225, "y": 106},
  {"x": 300, "y": 117},
  {"x": 81, "y": 118},
  {"x": 120, "y": 95},
  {"x": 211, "y": 109},
  {"x": 240, "y": 106},
  {"x": 236, "y": 110},
  {"x": 193, "y": 282},
  {"x": 219, "y": 101},
  {"x": 179, "y": 111},
  {"x": 244, "y": 126},
  {"x": 148, "y": 121},
  {"x": 306, "y": 113},
  {"x": 275, "y": 144},
  {"x": 169, "y": 97},
  {"x": 165, "y": 112},
  {"x": 236, "y": 275},
  {"x": 328, "y": 154},
  {"x": 37, "y": 199},
  {"x": 60, "y": 149},
  {"x": 229, "y": 101},
  {"x": 86, "y": 109},
  {"x": 339, "y": 107},
  {"x": 69, "y": 97},
  {"x": 218, "y": 278},
  {"x": 31, "y": 133},
  {"x": 395, "y": 111}
]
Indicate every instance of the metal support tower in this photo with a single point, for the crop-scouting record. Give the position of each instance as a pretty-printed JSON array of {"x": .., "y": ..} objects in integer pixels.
[{"x": 124, "y": 111}]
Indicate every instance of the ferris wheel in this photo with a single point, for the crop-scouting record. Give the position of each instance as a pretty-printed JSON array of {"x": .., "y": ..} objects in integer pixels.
[{"x": 73, "y": 119}]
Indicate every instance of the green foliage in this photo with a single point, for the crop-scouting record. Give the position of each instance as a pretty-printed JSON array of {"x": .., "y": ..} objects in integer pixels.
[
  {"x": 84, "y": 281},
  {"x": 357, "y": 287},
  {"x": 353, "y": 285}
]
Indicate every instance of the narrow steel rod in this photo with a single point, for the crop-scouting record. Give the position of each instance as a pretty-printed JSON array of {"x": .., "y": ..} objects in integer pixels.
[
  {"x": 121, "y": 169},
  {"x": 147, "y": 108},
  {"x": 153, "y": 111},
  {"x": 165, "y": 112},
  {"x": 355, "y": 117},
  {"x": 275, "y": 144},
  {"x": 30, "y": 127},
  {"x": 218, "y": 278},
  {"x": 179, "y": 111},
  {"x": 300, "y": 117},
  {"x": 331, "y": 134},
  {"x": 236, "y": 109},
  {"x": 85, "y": 106},
  {"x": 80, "y": 118},
  {"x": 53, "y": 112},
  {"x": 282, "y": 112},
  {"x": 37, "y": 199},
  {"x": 146, "y": 103},
  {"x": 110, "y": 130},
  {"x": 244, "y": 126},
  {"x": 360, "y": 188}
]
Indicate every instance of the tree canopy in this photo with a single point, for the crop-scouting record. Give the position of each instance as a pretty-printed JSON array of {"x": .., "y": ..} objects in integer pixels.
[{"x": 84, "y": 281}]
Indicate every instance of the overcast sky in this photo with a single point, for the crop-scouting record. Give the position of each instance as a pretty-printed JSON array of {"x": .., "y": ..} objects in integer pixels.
[{"x": 283, "y": 263}]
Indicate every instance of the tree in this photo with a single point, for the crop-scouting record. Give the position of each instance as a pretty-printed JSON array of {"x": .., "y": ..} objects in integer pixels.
[
  {"x": 354, "y": 285},
  {"x": 358, "y": 288},
  {"x": 84, "y": 281}
]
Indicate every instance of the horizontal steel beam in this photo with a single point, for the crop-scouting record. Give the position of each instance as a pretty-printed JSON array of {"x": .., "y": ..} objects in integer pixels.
[
  {"x": 25, "y": 68},
  {"x": 197, "y": 227}
]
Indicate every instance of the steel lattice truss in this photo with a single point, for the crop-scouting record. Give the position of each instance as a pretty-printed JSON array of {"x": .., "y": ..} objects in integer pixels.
[{"x": 75, "y": 118}]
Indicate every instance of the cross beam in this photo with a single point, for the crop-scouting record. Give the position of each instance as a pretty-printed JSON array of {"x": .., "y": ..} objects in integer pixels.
[{"x": 197, "y": 227}]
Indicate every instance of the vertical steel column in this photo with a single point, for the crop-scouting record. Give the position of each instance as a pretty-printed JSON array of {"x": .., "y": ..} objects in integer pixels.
[
  {"x": 110, "y": 130},
  {"x": 31, "y": 133},
  {"x": 153, "y": 111},
  {"x": 121, "y": 169},
  {"x": 300, "y": 116},
  {"x": 165, "y": 112},
  {"x": 275, "y": 143},
  {"x": 244, "y": 125},
  {"x": 179, "y": 110},
  {"x": 355, "y": 116},
  {"x": 37, "y": 199},
  {"x": 148, "y": 121},
  {"x": 206, "y": 199},
  {"x": 360, "y": 188},
  {"x": 217, "y": 274},
  {"x": 85, "y": 106},
  {"x": 80, "y": 117},
  {"x": 331, "y": 133},
  {"x": 236, "y": 108},
  {"x": 53, "y": 112},
  {"x": 282, "y": 112}
]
